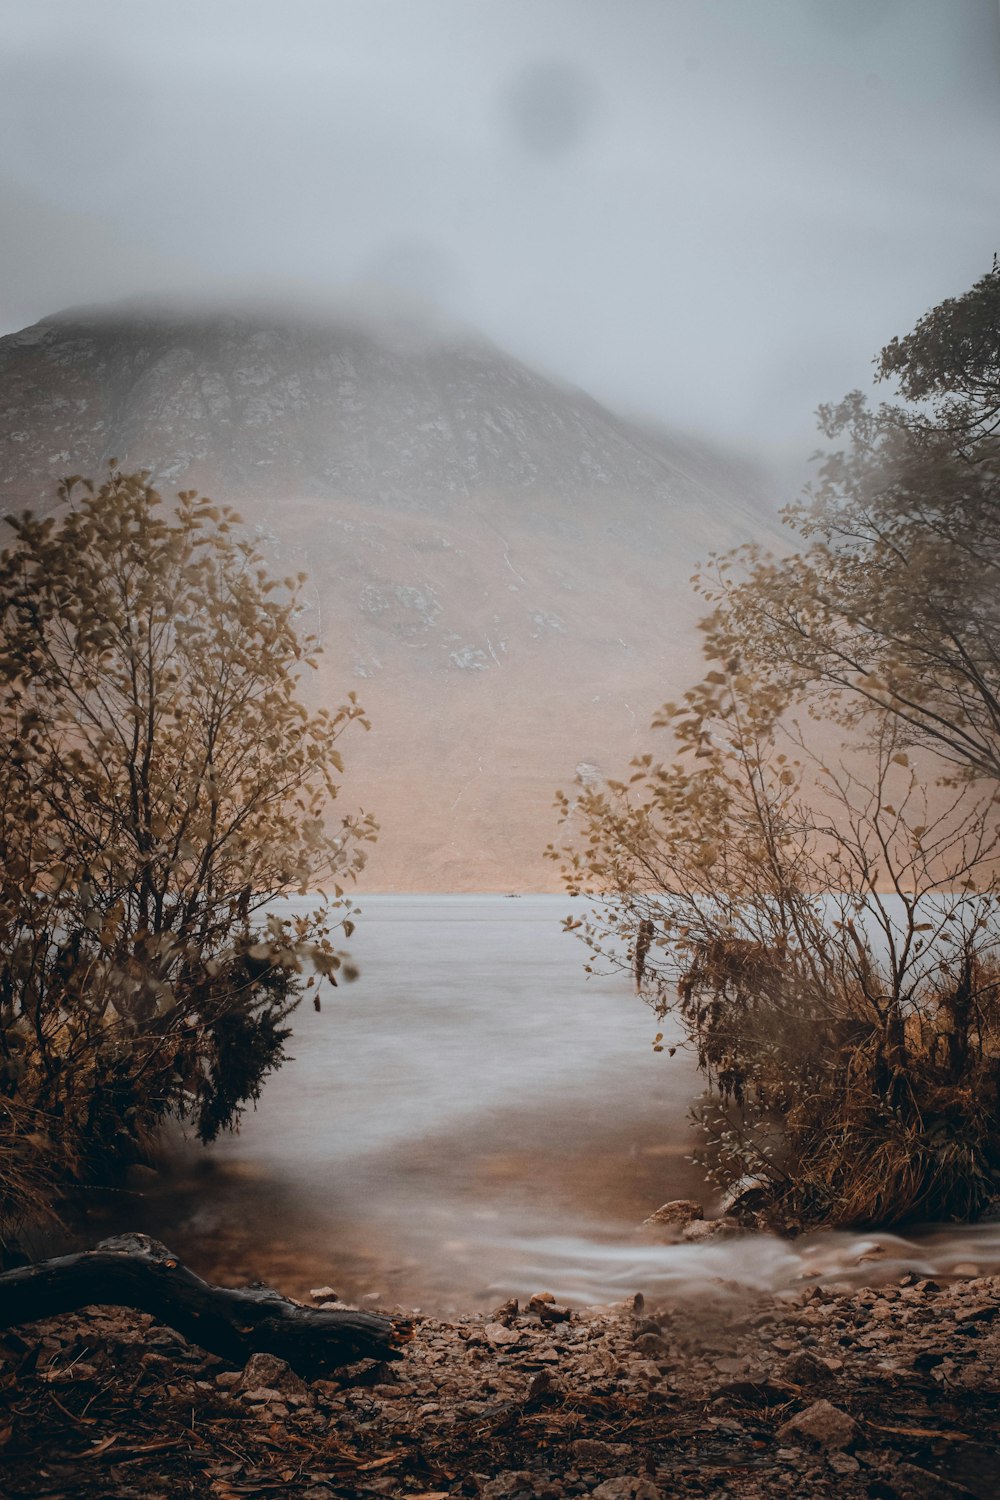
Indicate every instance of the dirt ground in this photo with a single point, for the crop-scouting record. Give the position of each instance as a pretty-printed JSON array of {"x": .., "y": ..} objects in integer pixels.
[{"x": 891, "y": 1392}]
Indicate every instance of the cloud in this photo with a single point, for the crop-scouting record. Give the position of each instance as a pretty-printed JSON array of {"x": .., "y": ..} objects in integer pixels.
[{"x": 709, "y": 212}]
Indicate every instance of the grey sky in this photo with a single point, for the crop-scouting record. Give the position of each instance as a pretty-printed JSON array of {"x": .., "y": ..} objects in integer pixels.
[{"x": 710, "y": 211}]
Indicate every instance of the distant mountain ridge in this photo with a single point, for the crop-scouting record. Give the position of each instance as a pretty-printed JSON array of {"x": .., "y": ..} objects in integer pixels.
[{"x": 500, "y": 563}]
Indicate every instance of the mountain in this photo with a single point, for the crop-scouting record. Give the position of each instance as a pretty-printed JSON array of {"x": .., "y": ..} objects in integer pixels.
[{"x": 499, "y": 564}]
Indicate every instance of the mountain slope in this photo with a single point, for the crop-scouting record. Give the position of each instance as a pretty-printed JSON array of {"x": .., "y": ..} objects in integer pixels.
[{"x": 499, "y": 565}]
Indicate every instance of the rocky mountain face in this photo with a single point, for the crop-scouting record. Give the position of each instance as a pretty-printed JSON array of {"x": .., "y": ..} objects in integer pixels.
[{"x": 499, "y": 565}]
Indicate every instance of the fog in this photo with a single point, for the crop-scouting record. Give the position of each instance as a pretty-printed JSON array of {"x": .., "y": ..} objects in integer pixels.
[{"x": 703, "y": 211}]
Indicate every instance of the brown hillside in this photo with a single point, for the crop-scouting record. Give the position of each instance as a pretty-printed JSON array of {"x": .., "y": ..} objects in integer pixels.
[{"x": 500, "y": 565}]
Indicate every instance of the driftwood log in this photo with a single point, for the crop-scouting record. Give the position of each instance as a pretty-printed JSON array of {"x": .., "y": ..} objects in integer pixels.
[{"x": 132, "y": 1270}]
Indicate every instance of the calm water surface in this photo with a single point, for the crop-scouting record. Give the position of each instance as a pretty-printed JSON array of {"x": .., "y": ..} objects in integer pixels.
[{"x": 476, "y": 1117}]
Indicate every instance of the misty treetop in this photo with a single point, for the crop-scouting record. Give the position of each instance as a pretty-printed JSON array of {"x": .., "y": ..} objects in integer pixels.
[{"x": 894, "y": 602}]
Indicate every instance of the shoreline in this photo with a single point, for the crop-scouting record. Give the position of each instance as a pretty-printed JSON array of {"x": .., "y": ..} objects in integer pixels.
[{"x": 886, "y": 1391}]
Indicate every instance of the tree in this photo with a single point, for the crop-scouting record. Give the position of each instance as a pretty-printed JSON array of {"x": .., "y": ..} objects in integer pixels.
[
  {"x": 813, "y": 903},
  {"x": 836, "y": 972},
  {"x": 894, "y": 603},
  {"x": 161, "y": 785}
]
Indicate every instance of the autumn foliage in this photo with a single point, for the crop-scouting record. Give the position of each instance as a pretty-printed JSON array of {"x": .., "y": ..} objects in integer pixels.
[
  {"x": 806, "y": 887},
  {"x": 161, "y": 783}
]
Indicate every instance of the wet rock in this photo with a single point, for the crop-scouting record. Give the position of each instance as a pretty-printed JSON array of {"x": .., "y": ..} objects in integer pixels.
[
  {"x": 677, "y": 1213},
  {"x": 747, "y": 1196},
  {"x": 820, "y": 1426},
  {"x": 710, "y": 1229}
]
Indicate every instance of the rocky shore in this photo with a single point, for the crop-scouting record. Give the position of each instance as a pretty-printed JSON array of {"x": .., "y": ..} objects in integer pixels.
[{"x": 887, "y": 1392}]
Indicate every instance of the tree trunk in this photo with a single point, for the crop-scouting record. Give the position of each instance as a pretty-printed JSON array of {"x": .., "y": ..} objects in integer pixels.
[{"x": 132, "y": 1270}]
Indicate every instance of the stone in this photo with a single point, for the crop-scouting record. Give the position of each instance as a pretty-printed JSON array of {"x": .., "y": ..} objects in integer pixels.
[
  {"x": 589, "y": 1453},
  {"x": 269, "y": 1372},
  {"x": 543, "y": 1384},
  {"x": 843, "y": 1463},
  {"x": 697, "y": 1230},
  {"x": 710, "y": 1229},
  {"x": 627, "y": 1487},
  {"x": 804, "y": 1368},
  {"x": 551, "y": 1312},
  {"x": 678, "y": 1211},
  {"x": 323, "y": 1294},
  {"x": 821, "y": 1426},
  {"x": 746, "y": 1196},
  {"x": 982, "y": 1312},
  {"x": 913, "y": 1483},
  {"x": 508, "y": 1484},
  {"x": 499, "y": 1333}
]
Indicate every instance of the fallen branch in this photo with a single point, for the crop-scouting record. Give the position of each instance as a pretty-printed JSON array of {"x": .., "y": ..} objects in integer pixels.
[{"x": 132, "y": 1270}]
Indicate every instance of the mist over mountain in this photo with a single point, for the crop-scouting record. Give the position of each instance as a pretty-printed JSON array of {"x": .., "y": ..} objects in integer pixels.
[{"x": 499, "y": 565}]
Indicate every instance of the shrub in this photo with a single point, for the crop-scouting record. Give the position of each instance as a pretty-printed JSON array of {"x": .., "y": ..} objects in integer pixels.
[{"x": 161, "y": 783}]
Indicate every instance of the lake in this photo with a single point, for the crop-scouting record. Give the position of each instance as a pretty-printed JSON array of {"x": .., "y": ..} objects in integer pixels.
[{"x": 476, "y": 1117}]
